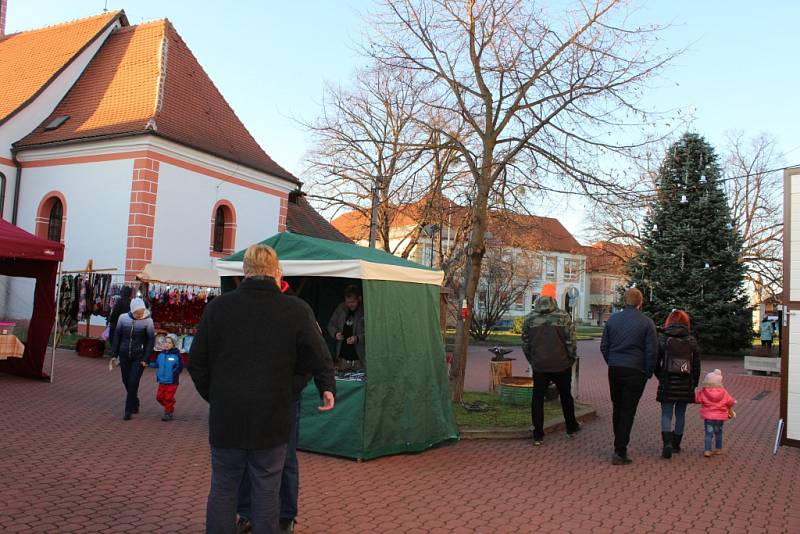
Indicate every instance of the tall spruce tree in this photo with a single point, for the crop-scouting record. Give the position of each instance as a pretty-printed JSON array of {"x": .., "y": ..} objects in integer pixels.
[{"x": 690, "y": 252}]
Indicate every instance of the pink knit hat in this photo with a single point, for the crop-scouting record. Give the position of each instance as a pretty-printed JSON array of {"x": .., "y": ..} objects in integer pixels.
[{"x": 714, "y": 378}]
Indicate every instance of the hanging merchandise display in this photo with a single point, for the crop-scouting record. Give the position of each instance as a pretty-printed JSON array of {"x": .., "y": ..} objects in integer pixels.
[
  {"x": 177, "y": 309},
  {"x": 177, "y": 297},
  {"x": 83, "y": 295}
]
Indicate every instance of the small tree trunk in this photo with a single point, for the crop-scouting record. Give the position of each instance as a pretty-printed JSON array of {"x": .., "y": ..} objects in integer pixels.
[
  {"x": 373, "y": 217},
  {"x": 472, "y": 269}
]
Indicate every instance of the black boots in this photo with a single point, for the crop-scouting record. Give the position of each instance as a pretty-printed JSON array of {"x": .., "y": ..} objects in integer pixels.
[
  {"x": 676, "y": 442},
  {"x": 666, "y": 452}
]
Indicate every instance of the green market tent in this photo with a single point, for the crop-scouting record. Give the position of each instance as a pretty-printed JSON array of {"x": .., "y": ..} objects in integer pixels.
[{"x": 404, "y": 405}]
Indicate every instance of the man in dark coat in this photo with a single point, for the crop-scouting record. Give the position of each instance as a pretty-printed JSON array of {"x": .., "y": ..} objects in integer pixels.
[
  {"x": 630, "y": 348},
  {"x": 290, "y": 476},
  {"x": 549, "y": 344},
  {"x": 249, "y": 346},
  {"x": 346, "y": 327}
]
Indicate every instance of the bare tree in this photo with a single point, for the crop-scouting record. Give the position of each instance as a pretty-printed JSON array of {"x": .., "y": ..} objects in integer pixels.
[
  {"x": 367, "y": 146},
  {"x": 544, "y": 95},
  {"x": 754, "y": 192},
  {"x": 504, "y": 279}
]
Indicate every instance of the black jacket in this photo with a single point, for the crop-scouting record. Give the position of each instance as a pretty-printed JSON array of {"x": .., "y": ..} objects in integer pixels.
[
  {"x": 121, "y": 307},
  {"x": 548, "y": 337},
  {"x": 630, "y": 340},
  {"x": 133, "y": 338},
  {"x": 675, "y": 387},
  {"x": 249, "y": 346}
]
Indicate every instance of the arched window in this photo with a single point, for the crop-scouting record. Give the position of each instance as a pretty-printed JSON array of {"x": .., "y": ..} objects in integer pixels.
[
  {"x": 51, "y": 217},
  {"x": 223, "y": 229},
  {"x": 55, "y": 220},
  {"x": 219, "y": 230}
]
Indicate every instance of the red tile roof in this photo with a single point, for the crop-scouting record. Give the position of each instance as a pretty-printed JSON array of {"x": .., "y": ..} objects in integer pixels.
[
  {"x": 529, "y": 232},
  {"x": 145, "y": 80},
  {"x": 30, "y": 60},
  {"x": 353, "y": 224},
  {"x": 605, "y": 257},
  {"x": 303, "y": 219}
]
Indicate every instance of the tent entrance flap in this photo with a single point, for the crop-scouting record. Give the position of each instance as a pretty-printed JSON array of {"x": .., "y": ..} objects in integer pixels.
[{"x": 408, "y": 406}]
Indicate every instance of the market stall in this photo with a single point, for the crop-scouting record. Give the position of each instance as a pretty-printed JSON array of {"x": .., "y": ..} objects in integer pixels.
[
  {"x": 403, "y": 403},
  {"x": 177, "y": 297},
  {"x": 24, "y": 255}
]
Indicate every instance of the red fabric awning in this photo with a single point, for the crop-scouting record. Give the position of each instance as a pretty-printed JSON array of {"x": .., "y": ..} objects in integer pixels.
[
  {"x": 17, "y": 243},
  {"x": 25, "y": 255}
]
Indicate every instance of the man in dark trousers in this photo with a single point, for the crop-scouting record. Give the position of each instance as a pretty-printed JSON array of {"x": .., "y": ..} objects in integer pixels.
[
  {"x": 548, "y": 341},
  {"x": 249, "y": 346},
  {"x": 290, "y": 477},
  {"x": 630, "y": 348}
]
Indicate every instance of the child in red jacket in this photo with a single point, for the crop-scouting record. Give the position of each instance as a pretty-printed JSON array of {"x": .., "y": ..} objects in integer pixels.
[{"x": 717, "y": 407}]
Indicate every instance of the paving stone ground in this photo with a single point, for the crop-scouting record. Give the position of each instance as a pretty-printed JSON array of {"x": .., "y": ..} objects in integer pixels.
[{"x": 68, "y": 463}]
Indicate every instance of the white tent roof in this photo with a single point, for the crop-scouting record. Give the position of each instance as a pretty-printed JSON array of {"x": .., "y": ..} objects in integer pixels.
[
  {"x": 169, "y": 274},
  {"x": 358, "y": 269}
]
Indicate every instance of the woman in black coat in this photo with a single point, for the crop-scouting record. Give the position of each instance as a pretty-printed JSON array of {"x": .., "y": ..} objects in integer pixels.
[
  {"x": 678, "y": 373},
  {"x": 121, "y": 307}
]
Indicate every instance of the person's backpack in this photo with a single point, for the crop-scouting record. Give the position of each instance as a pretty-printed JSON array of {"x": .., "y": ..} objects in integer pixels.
[{"x": 677, "y": 356}]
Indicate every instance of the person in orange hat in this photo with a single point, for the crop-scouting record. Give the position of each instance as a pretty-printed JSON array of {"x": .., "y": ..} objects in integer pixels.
[
  {"x": 549, "y": 344},
  {"x": 548, "y": 290}
]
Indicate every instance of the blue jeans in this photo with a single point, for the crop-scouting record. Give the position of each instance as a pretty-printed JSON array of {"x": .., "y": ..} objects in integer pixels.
[
  {"x": 290, "y": 479},
  {"x": 713, "y": 430},
  {"x": 667, "y": 409},
  {"x": 263, "y": 468}
]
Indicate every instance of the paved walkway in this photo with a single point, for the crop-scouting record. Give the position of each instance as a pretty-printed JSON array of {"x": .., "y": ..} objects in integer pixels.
[{"x": 68, "y": 463}]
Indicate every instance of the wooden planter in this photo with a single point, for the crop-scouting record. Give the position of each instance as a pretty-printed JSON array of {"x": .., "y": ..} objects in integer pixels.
[{"x": 499, "y": 370}]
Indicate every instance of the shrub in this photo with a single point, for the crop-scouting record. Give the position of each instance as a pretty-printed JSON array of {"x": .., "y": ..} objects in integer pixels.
[{"x": 516, "y": 328}]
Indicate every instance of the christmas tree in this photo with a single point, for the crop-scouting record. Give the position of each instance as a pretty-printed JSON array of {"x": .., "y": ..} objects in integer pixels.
[{"x": 690, "y": 251}]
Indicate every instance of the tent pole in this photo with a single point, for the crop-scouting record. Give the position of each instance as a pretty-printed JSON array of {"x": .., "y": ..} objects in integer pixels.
[{"x": 55, "y": 324}]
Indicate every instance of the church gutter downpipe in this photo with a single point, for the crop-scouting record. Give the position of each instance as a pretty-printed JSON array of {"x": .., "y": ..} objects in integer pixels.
[
  {"x": 3, "y": 182},
  {"x": 17, "y": 183}
]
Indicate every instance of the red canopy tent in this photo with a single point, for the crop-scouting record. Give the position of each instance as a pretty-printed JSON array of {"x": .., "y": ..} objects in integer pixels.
[{"x": 25, "y": 255}]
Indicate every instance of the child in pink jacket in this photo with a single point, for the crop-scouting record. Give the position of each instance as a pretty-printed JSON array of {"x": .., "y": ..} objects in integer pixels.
[{"x": 716, "y": 408}]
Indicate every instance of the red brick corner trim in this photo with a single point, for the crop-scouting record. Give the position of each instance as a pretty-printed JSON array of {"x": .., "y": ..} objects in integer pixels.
[{"x": 142, "y": 216}]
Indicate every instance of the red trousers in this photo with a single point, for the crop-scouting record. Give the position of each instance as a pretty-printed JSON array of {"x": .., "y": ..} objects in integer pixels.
[{"x": 166, "y": 396}]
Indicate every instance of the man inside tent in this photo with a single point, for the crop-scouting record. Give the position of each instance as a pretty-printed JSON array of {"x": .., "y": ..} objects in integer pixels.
[{"x": 347, "y": 328}]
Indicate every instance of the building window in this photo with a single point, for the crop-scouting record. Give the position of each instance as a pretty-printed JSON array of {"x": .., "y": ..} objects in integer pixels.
[
  {"x": 51, "y": 217},
  {"x": 550, "y": 267},
  {"x": 223, "y": 229},
  {"x": 535, "y": 266},
  {"x": 219, "y": 230},
  {"x": 572, "y": 270},
  {"x": 55, "y": 220},
  {"x": 519, "y": 304}
]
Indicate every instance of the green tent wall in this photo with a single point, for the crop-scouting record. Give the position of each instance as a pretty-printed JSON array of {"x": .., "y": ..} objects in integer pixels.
[{"x": 404, "y": 405}]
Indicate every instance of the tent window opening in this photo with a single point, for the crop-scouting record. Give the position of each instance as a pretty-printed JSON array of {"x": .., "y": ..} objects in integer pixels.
[
  {"x": 54, "y": 221},
  {"x": 219, "y": 230}
]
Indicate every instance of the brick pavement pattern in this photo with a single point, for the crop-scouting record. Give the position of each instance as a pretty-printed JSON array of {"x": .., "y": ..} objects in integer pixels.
[{"x": 68, "y": 463}]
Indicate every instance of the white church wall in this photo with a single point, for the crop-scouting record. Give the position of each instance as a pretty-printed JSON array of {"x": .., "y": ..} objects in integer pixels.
[{"x": 186, "y": 199}]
